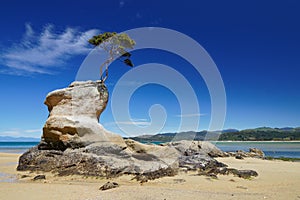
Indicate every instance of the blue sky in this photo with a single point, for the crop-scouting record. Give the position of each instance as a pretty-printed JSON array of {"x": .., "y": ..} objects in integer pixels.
[{"x": 255, "y": 45}]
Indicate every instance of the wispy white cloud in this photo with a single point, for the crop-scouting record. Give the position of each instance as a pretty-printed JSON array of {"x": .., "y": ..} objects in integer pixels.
[
  {"x": 137, "y": 122},
  {"x": 33, "y": 131},
  {"x": 191, "y": 115},
  {"x": 134, "y": 123},
  {"x": 44, "y": 52},
  {"x": 22, "y": 133},
  {"x": 13, "y": 133},
  {"x": 138, "y": 15},
  {"x": 121, "y": 3},
  {"x": 124, "y": 83}
]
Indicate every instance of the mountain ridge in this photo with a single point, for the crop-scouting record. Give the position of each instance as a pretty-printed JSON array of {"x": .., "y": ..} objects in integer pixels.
[{"x": 256, "y": 134}]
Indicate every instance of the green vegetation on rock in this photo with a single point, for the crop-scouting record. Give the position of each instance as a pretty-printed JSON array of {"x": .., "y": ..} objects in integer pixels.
[{"x": 116, "y": 45}]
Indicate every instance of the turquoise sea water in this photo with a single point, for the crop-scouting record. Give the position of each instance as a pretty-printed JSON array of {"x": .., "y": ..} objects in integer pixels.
[
  {"x": 274, "y": 149},
  {"x": 16, "y": 147}
]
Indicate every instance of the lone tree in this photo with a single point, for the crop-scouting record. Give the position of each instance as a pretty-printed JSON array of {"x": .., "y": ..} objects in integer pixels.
[{"x": 116, "y": 45}]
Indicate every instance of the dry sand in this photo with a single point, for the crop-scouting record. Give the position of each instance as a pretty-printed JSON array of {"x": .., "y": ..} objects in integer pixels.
[{"x": 276, "y": 180}]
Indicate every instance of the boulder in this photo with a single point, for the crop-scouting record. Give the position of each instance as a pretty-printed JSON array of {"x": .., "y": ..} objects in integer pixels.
[
  {"x": 254, "y": 152},
  {"x": 39, "y": 177},
  {"x": 199, "y": 162},
  {"x": 239, "y": 157},
  {"x": 246, "y": 174},
  {"x": 73, "y": 117},
  {"x": 103, "y": 160},
  {"x": 146, "y": 162},
  {"x": 189, "y": 148}
]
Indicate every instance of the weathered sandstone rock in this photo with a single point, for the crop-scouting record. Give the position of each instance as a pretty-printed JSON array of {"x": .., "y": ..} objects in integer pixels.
[{"x": 73, "y": 117}]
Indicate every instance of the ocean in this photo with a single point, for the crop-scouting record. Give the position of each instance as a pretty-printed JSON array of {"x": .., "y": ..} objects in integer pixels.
[
  {"x": 273, "y": 149},
  {"x": 270, "y": 148},
  {"x": 16, "y": 147}
]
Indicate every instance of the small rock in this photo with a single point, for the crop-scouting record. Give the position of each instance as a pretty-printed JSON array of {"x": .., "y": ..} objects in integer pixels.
[
  {"x": 109, "y": 185},
  {"x": 246, "y": 174},
  {"x": 184, "y": 169},
  {"x": 24, "y": 176},
  {"x": 179, "y": 180},
  {"x": 239, "y": 157},
  {"x": 39, "y": 177},
  {"x": 142, "y": 179},
  {"x": 213, "y": 176},
  {"x": 241, "y": 187}
]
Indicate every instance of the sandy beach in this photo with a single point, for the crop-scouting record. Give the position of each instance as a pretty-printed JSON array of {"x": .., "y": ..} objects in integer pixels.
[{"x": 276, "y": 180}]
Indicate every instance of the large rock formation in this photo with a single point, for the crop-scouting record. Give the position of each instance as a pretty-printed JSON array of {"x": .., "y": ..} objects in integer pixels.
[
  {"x": 73, "y": 142},
  {"x": 73, "y": 117}
]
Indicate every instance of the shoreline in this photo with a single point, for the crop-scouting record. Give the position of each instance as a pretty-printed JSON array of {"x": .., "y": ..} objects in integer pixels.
[
  {"x": 259, "y": 141},
  {"x": 191, "y": 140}
]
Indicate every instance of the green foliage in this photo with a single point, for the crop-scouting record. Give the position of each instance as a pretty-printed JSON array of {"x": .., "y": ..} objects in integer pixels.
[
  {"x": 262, "y": 134},
  {"x": 259, "y": 134},
  {"x": 168, "y": 137},
  {"x": 122, "y": 41},
  {"x": 116, "y": 45},
  {"x": 99, "y": 39}
]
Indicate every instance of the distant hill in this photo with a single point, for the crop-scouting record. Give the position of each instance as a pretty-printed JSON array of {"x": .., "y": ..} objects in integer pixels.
[
  {"x": 263, "y": 134},
  {"x": 230, "y": 131},
  {"x": 18, "y": 139},
  {"x": 167, "y": 137},
  {"x": 258, "y": 134}
]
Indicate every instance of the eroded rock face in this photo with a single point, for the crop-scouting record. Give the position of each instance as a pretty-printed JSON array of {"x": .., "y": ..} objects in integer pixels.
[
  {"x": 147, "y": 162},
  {"x": 101, "y": 159},
  {"x": 188, "y": 148},
  {"x": 73, "y": 142},
  {"x": 73, "y": 117}
]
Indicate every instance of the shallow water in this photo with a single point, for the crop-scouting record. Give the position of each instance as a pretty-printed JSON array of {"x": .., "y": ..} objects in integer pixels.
[
  {"x": 7, "y": 178},
  {"x": 274, "y": 149}
]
